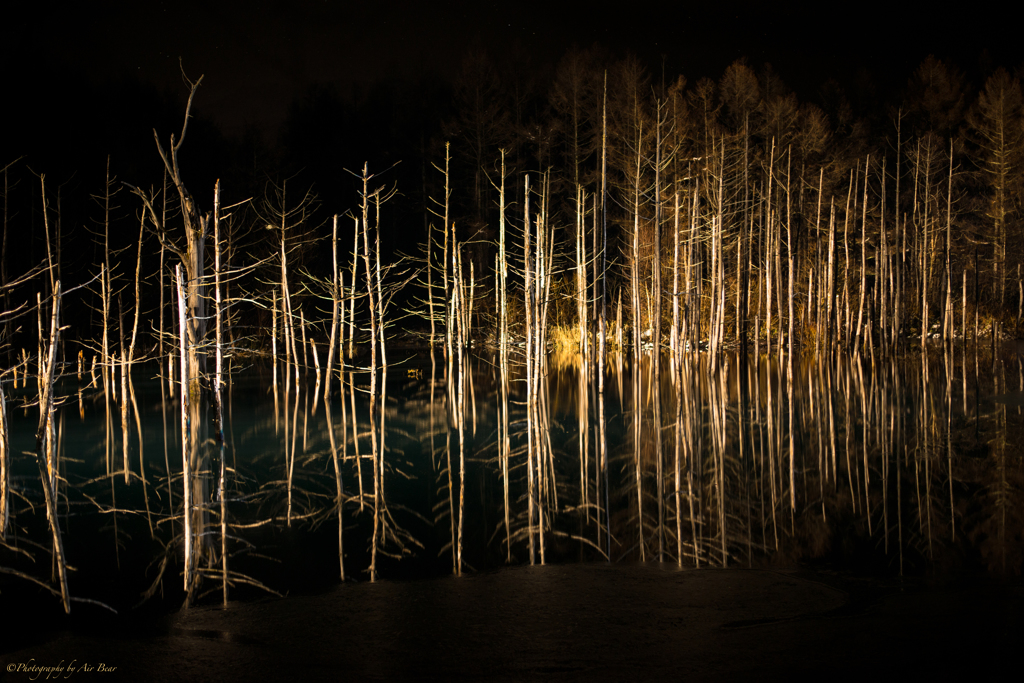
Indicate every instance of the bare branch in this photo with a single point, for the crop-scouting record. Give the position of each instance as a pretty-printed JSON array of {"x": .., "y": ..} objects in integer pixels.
[
  {"x": 193, "y": 86},
  {"x": 12, "y": 163},
  {"x": 163, "y": 155},
  {"x": 158, "y": 229}
]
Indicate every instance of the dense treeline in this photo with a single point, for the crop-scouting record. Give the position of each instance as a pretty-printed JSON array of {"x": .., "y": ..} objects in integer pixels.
[{"x": 754, "y": 216}]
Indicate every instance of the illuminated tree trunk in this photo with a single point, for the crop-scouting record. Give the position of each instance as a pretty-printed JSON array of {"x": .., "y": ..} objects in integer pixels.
[{"x": 44, "y": 455}]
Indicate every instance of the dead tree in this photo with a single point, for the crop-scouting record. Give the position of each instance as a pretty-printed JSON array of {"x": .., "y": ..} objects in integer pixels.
[{"x": 192, "y": 258}]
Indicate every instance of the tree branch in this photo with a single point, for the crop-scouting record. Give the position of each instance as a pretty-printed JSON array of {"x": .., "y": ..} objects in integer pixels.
[{"x": 159, "y": 231}]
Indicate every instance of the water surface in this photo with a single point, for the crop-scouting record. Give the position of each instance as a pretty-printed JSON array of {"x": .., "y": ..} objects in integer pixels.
[{"x": 903, "y": 466}]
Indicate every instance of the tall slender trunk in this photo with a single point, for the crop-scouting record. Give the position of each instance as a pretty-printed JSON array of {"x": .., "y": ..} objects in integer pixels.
[
  {"x": 863, "y": 256},
  {"x": 445, "y": 276},
  {"x": 656, "y": 293},
  {"x": 789, "y": 257},
  {"x": 817, "y": 238},
  {"x": 352, "y": 297},
  {"x": 947, "y": 323},
  {"x": 5, "y": 466},
  {"x": 218, "y": 383},
  {"x": 603, "y": 321},
  {"x": 674, "y": 344},
  {"x": 186, "y": 469},
  {"x": 335, "y": 290},
  {"x": 44, "y": 454}
]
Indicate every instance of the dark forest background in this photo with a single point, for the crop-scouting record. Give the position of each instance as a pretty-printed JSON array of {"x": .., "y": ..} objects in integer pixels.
[{"x": 937, "y": 151}]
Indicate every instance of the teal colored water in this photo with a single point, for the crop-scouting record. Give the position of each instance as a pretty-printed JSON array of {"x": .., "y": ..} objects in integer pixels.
[{"x": 904, "y": 466}]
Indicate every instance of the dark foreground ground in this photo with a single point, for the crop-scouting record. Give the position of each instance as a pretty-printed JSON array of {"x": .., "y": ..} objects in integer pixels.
[{"x": 560, "y": 623}]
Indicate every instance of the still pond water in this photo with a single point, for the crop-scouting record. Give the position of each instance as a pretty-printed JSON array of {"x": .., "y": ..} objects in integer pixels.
[{"x": 888, "y": 466}]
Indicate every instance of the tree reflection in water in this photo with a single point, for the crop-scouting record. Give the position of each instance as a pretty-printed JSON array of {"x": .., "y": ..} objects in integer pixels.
[{"x": 896, "y": 465}]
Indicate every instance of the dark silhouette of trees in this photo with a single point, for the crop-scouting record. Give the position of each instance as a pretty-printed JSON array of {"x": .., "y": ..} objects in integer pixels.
[
  {"x": 995, "y": 123},
  {"x": 481, "y": 124},
  {"x": 761, "y": 174}
]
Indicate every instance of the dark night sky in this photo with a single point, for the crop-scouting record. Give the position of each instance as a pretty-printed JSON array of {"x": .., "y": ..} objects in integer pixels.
[
  {"x": 258, "y": 55},
  {"x": 89, "y": 80}
]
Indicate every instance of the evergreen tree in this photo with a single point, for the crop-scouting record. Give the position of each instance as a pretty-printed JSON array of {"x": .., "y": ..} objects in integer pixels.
[{"x": 995, "y": 123}]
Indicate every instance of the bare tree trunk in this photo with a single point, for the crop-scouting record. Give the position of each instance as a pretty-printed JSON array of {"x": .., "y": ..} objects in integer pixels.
[
  {"x": 44, "y": 456},
  {"x": 830, "y": 294},
  {"x": 817, "y": 237},
  {"x": 504, "y": 442},
  {"x": 656, "y": 258},
  {"x": 186, "y": 469},
  {"x": 789, "y": 256},
  {"x": 844, "y": 333},
  {"x": 217, "y": 385},
  {"x": 883, "y": 273},
  {"x": 634, "y": 270},
  {"x": 771, "y": 247},
  {"x": 5, "y": 466},
  {"x": 581, "y": 272},
  {"x": 3, "y": 268},
  {"x": 947, "y": 324},
  {"x": 778, "y": 262},
  {"x": 447, "y": 227},
  {"x": 339, "y": 489},
  {"x": 46, "y": 227},
  {"x": 160, "y": 272},
  {"x": 863, "y": 256},
  {"x": 603, "y": 321},
  {"x": 352, "y": 298},
  {"x": 193, "y": 324},
  {"x": 528, "y": 291},
  {"x": 334, "y": 307},
  {"x": 127, "y": 364},
  {"x": 901, "y": 241},
  {"x": 674, "y": 339}
]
